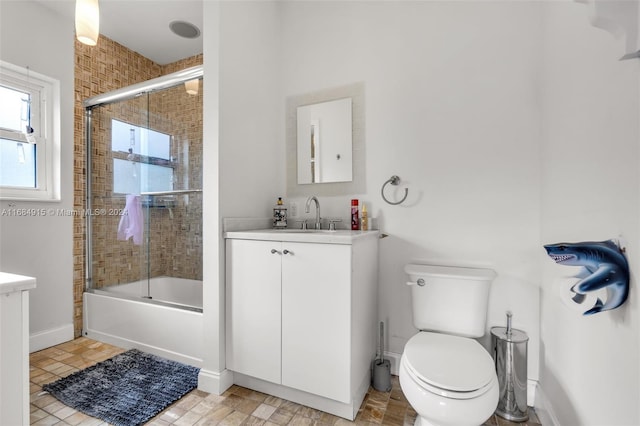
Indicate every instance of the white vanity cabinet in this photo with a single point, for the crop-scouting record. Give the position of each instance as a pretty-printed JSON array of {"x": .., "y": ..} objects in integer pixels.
[
  {"x": 14, "y": 348},
  {"x": 253, "y": 303},
  {"x": 301, "y": 316},
  {"x": 316, "y": 319}
]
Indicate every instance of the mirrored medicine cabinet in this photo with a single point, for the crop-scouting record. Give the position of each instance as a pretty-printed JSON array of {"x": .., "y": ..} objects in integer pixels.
[{"x": 325, "y": 142}]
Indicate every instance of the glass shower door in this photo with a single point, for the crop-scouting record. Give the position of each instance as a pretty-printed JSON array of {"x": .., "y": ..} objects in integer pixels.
[
  {"x": 145, "y": 180},
  {"x": 118, "y": 219},
  {"x": 175, "y": 202}
]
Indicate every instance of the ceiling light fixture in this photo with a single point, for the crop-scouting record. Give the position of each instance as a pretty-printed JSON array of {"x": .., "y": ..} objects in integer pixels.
[
  {"x": 184, "y": 29},
  {"x": 87, "y": 21}
]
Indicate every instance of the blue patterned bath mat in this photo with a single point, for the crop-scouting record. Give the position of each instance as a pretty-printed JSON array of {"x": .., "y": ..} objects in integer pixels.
[{"x": 128, "y": 389}]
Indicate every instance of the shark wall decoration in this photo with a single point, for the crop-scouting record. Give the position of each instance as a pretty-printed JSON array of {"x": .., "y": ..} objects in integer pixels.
[{"x": 605, "y": 266}]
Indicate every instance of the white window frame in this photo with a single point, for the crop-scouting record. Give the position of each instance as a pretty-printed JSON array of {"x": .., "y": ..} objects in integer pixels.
[
  {"x": 45, "y": 120},
  {"x": 142, "y": 140}
]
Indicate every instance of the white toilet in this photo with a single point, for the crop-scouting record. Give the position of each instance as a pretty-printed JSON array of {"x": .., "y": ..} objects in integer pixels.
[{"x": 445, "y": 374}]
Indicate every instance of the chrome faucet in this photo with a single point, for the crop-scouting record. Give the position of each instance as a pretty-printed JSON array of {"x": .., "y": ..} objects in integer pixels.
[{"x": 306, "y": 210}]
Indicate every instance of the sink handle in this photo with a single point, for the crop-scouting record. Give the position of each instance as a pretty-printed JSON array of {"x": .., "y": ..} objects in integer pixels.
[{"x": 332, "y": 224}]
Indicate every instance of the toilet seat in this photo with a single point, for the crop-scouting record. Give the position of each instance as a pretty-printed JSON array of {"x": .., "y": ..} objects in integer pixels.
[{"x": 450, "y": 366}]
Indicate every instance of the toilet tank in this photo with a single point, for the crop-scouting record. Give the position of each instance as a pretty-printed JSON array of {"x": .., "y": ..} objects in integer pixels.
[{"x": 449, "y": 299}]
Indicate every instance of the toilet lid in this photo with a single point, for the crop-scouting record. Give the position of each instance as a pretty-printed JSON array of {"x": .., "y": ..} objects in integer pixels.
[{"x": 455, "y": 363}]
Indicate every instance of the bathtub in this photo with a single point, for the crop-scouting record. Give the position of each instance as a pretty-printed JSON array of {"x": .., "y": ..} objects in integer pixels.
[{"x": 168, "y": 325}]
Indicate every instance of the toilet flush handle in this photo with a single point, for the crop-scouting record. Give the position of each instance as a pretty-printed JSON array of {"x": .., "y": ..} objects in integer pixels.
[{"x": 420, "y": 282}]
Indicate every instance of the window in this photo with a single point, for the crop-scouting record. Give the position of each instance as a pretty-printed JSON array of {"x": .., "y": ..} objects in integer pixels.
[
  {"x": 29, "y": 134},
  {"x": 141, "y": 159}
]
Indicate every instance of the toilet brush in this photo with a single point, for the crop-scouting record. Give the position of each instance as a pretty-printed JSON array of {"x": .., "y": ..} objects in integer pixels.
[{"x": 381, "y": 368}]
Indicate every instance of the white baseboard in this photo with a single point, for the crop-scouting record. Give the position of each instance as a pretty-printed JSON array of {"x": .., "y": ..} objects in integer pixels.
[
  {"x": 544, "y": 409},
  {"x": 331, "y": 406},
  {"x": 214, "y": 382},
  {"x": 532, "y": 386},
  {"x": 394, "y": 360},
  {"x": 46, "y": 339}
]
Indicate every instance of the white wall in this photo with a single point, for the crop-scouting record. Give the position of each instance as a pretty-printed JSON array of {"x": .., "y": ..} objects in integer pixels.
[
  {"x": 590, "y": 184},
  {"x": 511, "y": 123},
  {"x": 242, "y": 155},
  {"x": 33, "y": 36},
  {"x": 251, "y": 109},
  {"x": 452, "y": 108}
]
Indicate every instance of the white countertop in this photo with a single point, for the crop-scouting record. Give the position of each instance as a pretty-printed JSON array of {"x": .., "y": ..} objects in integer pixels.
[
  {"x": 341, "y": 236},
  {"x": 11, "y": 283}
]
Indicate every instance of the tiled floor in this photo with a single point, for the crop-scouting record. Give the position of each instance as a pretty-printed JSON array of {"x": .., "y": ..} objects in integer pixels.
[{"x": 237, "y": 406}]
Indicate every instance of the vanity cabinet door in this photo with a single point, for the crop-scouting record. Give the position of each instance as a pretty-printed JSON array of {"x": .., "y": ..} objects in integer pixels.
[
  {"x": 253, "y": 308},
  {"x": 316, "y": 319}
]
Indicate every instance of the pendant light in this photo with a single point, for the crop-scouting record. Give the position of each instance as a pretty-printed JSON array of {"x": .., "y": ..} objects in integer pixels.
[
  {"x": 87, "y": 21},
  {"x": 192, "y": 86}
]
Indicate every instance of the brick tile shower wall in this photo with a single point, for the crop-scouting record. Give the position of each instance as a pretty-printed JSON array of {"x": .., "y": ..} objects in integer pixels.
[{"x": 176, "y": 233}]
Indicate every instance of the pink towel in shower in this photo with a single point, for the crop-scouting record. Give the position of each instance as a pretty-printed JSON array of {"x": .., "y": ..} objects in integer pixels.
[{"x": 132, "y": 221}]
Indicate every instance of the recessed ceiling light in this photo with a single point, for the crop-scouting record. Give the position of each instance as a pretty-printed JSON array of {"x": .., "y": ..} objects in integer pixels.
[{"x": 184, "y": 29}]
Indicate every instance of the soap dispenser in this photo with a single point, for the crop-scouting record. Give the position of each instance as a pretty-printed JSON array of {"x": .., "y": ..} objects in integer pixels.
[{"x": 279, "y": 214}]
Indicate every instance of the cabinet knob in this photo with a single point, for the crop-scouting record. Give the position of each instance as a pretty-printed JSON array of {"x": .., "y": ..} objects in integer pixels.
[
  {"x": 274, "y": 251},
  {"x": 285, "y": 251}
]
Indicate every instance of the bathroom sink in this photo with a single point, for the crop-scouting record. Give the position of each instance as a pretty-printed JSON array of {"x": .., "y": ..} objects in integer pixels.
[
  {"x": 339, "y": 236},
  {"x": 305, "y": 231}
]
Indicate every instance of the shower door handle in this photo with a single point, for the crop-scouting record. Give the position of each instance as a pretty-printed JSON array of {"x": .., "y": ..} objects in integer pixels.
[{"x": 173, "y": 192}]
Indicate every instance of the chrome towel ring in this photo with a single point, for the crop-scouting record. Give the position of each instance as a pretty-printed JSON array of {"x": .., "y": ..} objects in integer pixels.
[{"x": 394, "y": 180}]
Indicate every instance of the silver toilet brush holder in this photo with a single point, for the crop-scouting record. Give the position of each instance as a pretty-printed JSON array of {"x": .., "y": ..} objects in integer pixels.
[
  {"x": 510, "y": 355},
  {"x": 381, "y": 368}
]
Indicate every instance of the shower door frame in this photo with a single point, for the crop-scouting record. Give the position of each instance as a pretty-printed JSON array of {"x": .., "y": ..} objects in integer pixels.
[{"x": 154, "y": 85}]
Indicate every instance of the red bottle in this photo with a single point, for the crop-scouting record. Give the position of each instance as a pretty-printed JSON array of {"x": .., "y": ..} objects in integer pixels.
[{"x": 355, "y": 217}]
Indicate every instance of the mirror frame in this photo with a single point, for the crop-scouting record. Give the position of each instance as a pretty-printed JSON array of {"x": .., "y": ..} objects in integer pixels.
[{"x": 354, "y": 91}]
